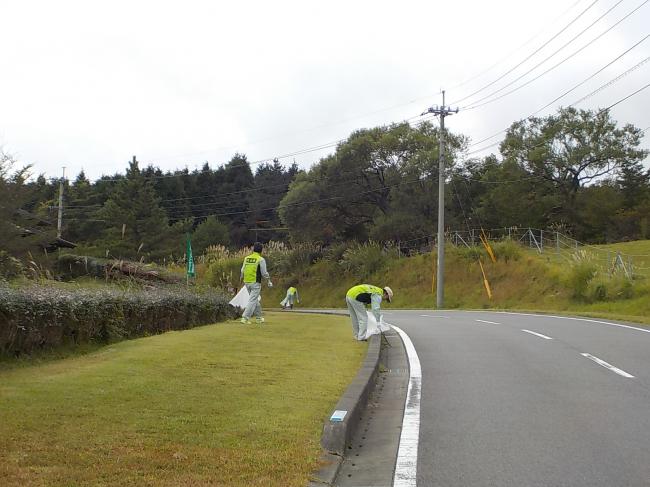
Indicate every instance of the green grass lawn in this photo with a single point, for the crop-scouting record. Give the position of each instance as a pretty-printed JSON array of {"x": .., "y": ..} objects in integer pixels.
[{"x": 225, "y": 404}]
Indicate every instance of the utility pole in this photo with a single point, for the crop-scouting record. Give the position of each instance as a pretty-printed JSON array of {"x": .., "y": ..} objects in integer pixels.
[
  {"x": 60, "y": 219},
  {"x": 442, "y": 111}
]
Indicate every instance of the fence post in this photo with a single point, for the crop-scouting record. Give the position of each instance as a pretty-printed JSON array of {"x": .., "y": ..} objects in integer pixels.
[
  {"x": 557, "y": 242},
  {"x": 399, "y": 249},
  {"x": 541, "y": 241}
]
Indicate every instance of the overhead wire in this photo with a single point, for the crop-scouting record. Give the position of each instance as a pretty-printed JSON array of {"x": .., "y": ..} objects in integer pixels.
[
  {"x": 472, "y": 107},
  {"x": 566, "y": 92},
  {"x": 487, "y": 70},
  {"x": 611, "y": 82},
  {"x": 597, "y": 113},
  {"x": 550, "y": 56},
  {"x": 575, "y": 19}
]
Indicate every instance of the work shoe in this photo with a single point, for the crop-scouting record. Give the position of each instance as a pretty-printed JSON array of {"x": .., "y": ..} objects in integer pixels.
[
  {"x": 259, "y": 321},
  {"x": 245, "y": 321}
]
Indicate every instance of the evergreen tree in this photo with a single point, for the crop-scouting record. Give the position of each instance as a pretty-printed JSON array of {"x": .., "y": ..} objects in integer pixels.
[{"x": 135, "y": 224}]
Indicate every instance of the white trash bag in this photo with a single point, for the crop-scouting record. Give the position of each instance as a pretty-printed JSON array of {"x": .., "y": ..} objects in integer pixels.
[
  {"x": 375, "y": 327},
  {"x": 241, "y": 299}
]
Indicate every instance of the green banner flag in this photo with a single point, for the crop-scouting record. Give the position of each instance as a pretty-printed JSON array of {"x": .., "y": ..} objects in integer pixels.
[{"x": 189, "y": 258}]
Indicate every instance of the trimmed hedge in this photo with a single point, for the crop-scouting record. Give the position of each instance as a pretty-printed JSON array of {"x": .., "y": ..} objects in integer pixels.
[{"x": 43, "y": 317}]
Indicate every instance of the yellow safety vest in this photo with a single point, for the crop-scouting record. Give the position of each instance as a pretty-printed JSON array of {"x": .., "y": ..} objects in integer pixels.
[
  {"x": 292, "y": 290},
  {"x": 357, "y": 292},
  {"x": 251, "y": 268}
]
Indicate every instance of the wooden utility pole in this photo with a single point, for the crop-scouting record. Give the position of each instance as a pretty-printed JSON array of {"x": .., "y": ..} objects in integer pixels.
[{"x": 59, "y": 222}]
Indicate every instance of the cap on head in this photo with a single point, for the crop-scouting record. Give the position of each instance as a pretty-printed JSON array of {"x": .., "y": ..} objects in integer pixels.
[
  {"x": 257, "y": 247},
  {"x": 389, "y": 293}
]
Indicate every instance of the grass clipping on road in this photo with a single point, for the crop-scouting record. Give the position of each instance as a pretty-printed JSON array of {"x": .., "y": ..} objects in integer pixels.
[{"x": 225, "y": 404}]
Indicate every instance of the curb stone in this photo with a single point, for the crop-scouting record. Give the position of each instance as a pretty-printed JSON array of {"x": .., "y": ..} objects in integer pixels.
[{"x": 336, "y": 434}]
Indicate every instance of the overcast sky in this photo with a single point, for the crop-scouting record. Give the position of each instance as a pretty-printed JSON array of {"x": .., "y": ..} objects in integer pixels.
[{"x": 88, "y": 84}]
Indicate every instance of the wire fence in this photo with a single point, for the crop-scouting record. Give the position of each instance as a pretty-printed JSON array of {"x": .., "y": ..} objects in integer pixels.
[{"x": 554, "y": 245}]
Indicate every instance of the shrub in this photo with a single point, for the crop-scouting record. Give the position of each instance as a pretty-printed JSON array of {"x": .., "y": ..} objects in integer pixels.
[
  {"x": 363, "y": 260},
  {"x": 224, "y": 274},
  {"x": 9, "y": 266},
  {"x": 471, "y": 254},
  {"x": 296, "y": 261},
  {"x": 44, "y": 317},
  {"x": 507, "y": 250},
  {"x": 579, "y": 276}
]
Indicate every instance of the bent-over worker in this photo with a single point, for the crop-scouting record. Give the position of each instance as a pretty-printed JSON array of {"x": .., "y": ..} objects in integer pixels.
[{"x": 360, "y": 296}]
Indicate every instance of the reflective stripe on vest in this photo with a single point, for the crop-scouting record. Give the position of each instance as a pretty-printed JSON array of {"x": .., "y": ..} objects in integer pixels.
[
  {"x": 355, "y": 291},
  {"x": 251, "y": 264}
]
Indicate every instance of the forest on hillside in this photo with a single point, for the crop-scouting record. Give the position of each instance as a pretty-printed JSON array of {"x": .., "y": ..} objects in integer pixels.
[{"x": 576, "y": 171}]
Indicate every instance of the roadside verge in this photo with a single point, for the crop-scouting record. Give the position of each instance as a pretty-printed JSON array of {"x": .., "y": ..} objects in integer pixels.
[{"x": 337, "y": 433}]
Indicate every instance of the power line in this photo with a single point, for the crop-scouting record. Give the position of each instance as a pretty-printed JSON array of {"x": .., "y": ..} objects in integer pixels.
[
  {"x": 566, "y": 92},
  {"x": 476, "y": 76},
  {"x": 611, "y": 82},
  {"x": 625, "y": 98},
  {"x": 553, "y": 54},
  {"x": 472, "y": 107},
  {"x": 597, "y": 113},
  {"x": 244, "y": 191},
  {"x": 575, "y": 19}
]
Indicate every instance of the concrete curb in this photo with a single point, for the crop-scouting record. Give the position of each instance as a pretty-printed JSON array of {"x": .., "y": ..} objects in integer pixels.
[{"x": 337, "y": 434}]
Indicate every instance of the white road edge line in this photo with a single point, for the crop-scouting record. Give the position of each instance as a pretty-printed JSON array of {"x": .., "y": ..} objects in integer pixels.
[
  {"x": 574, "y": 319},
  {"x": 433, "y": 316},
  {"x": 537, "y": 334},
  {"x": 490, "y": 322},
  {"x": 607, "y": 366},
  {"x": 406, "y": 467}
]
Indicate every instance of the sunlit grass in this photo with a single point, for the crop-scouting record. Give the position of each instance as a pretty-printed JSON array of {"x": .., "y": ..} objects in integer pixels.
[{"x": 225, "y": 404}]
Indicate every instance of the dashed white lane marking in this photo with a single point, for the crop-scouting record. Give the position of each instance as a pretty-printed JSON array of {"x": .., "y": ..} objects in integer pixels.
[
  {"x": 576, "y": 319},
  {"x": 406, "y": 467},
  {"x": 490, "y": 322},
  {"x": 434, "y": 316},
  {"x": 537, "y": 334},
  {"x": 607, "y": 366}
]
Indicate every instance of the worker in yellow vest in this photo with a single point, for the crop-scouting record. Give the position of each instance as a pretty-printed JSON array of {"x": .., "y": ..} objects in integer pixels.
[
  {"x": 252, "y": 271},
  {"x": 291, "y": 297},
  {"x": 360, "y": 296}
]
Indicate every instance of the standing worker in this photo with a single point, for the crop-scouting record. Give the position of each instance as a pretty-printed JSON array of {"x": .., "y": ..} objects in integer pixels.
[
  {"x": 290, "y": 298},
  {"x": 357, "y": 298},
  {"x": 252, "y": 271}
]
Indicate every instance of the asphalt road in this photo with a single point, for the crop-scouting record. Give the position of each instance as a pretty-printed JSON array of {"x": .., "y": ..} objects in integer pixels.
[{"x": 501, "y": 406}]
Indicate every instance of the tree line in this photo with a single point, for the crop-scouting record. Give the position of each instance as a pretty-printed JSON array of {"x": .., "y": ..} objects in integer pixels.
[{"x": 577, "y": 171}]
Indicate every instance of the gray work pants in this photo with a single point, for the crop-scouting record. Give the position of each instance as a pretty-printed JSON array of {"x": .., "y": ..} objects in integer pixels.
[
  {"x": 253, "y": 306},
  {"x": 359, "y": 318}
]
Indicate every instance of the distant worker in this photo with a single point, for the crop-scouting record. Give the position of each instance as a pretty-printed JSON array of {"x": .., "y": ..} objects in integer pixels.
[
  {"x": 252, "y": 271},
  {"x": 291, "y": 297},
  {"x": 357, "y": 298}
]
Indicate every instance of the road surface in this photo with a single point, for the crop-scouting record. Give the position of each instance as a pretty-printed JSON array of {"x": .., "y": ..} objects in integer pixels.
[{"x": 522, "y": 400}]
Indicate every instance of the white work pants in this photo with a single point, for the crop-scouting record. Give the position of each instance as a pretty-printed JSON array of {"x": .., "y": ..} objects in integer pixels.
[
  {"x": 253, "y": 307},
  {"x": 359, "y": 318}
]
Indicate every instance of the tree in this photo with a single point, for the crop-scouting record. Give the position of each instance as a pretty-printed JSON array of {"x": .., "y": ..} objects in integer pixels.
[
  {"x": 80, "y": 219},
  {"x": 634, "y": 182},
  {"x": 271, "y": 185},
  {"x": 135, "y": 224},
  {"x": 21, "y": 230},
  {"x": 233, "y": 198},
  {"x": 571, "y": 149},
  {"x": 376, "y": 178},
  {"x": 210, "y": 232}
]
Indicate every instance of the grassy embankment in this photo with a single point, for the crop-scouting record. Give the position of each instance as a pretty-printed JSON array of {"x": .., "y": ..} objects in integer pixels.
[
  {"x": 520, "y": 280},
  {"x": 217, "y": 405}
]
